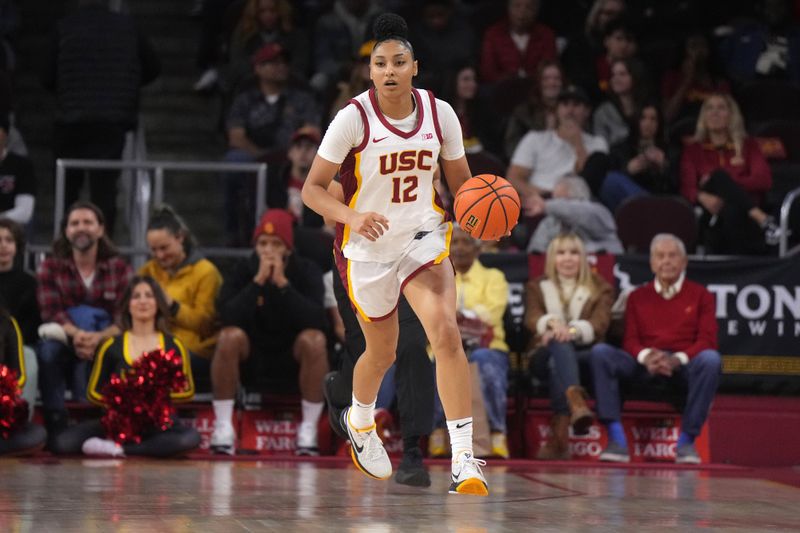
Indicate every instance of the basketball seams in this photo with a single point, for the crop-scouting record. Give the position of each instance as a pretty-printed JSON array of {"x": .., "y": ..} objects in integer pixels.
[{"x": 482, "y": 202}]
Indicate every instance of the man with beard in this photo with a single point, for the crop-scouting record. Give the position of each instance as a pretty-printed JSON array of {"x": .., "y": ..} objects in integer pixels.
[{"x": 79, "y": 289}]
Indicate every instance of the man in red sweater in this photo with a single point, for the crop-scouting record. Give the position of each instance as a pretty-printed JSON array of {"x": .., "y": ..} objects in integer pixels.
[{"x": 671, "y": 335}]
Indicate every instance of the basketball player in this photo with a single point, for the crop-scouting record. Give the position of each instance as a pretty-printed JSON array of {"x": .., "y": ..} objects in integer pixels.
[{"x": 393, "y": 237}]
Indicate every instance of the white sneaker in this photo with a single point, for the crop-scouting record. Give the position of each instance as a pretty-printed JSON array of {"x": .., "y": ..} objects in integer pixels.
[
  {"x": 223, "y": 440},
  {"x": 207, "y": 80},
  {"x": 466, "y": 475},
  {"x": 102, "y": 448},
  {"x": 367, "y": 450}
]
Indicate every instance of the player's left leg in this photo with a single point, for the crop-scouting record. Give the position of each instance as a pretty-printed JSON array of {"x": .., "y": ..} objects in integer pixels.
[{"x": 432, "y": 295}]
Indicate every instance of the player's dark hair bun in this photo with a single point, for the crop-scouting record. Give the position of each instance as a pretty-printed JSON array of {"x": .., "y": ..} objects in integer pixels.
[{"x": 389, "y": 25}]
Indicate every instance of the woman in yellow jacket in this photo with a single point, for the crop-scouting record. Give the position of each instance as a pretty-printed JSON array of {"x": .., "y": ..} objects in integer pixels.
[{"x": 190, "y": 282}]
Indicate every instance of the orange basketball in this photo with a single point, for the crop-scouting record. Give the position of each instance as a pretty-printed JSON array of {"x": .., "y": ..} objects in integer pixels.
[{"x": 486, "y": 207}]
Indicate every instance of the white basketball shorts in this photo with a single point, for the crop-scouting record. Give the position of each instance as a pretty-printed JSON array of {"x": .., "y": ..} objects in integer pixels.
[{"x": 374, "y": 288}]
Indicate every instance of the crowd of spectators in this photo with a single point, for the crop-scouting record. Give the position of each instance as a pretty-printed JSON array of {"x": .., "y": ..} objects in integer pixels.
[{"x": 572, "y": 109}]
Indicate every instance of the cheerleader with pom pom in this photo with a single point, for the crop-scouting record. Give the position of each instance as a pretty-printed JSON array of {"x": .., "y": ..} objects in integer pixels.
[
  {"x": 17, "y": 435},
  {"x": 135, "y": 377}
]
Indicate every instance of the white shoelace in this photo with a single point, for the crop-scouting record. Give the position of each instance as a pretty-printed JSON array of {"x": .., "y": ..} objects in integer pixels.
[
  {"x": 471, "y": 466},
  {"x": 373, "y": 447}
]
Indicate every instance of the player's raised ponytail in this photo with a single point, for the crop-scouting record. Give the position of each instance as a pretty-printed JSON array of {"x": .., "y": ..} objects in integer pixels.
[{"x": 391, "y": 27}]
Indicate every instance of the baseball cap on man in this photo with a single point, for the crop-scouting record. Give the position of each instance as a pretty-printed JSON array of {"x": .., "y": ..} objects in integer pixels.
[
  {"x": 306, "y": 132},
  {"x": 269, "y": 52},
  {"x": 573, "y": 93},
  {"x": 276, "y": 222}
]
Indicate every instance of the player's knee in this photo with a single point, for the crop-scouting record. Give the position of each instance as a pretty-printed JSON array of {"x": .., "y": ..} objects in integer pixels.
[{"x": 446, "y": 340}]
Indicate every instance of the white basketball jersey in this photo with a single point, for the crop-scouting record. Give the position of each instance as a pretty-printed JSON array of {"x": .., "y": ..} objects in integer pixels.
[{"x": 391, "y": 173}]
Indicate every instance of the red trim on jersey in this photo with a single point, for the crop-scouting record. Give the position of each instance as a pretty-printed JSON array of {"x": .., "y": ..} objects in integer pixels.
[
  {"x": 364, "y": 120},
  {"x": 435, "y": 115},
  {"x": 400, "y": 133}
]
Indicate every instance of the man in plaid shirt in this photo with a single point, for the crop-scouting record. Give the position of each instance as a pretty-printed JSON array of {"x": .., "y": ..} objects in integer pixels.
[{"x": 79, "y": 289}]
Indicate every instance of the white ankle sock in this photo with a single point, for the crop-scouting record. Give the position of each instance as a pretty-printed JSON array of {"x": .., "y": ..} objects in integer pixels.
[
  {"x": 460, "y": 435},
  {"x": 361, "y": 415},
  {"x": 307, "y": 431},
  {"x": 223, "y": 412}
]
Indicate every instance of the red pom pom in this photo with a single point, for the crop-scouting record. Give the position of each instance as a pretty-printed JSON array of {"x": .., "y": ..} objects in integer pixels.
[
  {"x": 139, "y": 402},
  {"x": 13, "y": 409}
]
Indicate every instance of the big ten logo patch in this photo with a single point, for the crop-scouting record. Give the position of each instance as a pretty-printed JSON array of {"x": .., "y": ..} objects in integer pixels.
[
  {"x": 426, "y": 136},
  {"x": 471, "y": 222}
]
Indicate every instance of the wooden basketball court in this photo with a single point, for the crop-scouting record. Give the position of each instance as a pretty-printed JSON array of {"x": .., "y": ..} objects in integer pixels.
[{"x": 327, "y": 494}]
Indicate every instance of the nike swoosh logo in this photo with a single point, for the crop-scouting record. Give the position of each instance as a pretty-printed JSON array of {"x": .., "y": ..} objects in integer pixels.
[
  {"x": 459, "y": 426},
  {"x": 379, "y": 140},
  {"x": 358, "y": 448}
]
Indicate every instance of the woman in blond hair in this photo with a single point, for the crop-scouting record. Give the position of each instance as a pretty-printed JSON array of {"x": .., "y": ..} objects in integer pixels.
[
  {"x": 568, "y": 309},
  {"x": 724, "y": 172}
]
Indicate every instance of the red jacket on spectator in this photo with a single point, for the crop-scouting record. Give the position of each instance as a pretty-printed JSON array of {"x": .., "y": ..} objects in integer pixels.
[
  {"x": 685, "y": 323},
  {"x": 752, "y": 172},
  {"x": 501, "y": 59}
]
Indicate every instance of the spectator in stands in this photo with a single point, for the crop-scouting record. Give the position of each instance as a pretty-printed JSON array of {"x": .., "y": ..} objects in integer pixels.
[
  {"x": 17, "y": 182},
  {"x": 539, "y": 112},
  {"x": 190, "y": 283},
  {"x": 79, "y": 289},
  {"x": 18, "y": 296},
  {"x": 685, "y": 88},
  {"x": 619, "y": 42},
  {"x": 542, "y": 157},
  {"x": 9, "y": 23},
  {"x": 516, "y": 45},
  {"x": 725, "y": 173},
  {"x": 286, "y": 182},
  {"x": 338, "y": 35},
  {"x": 643, "y": 158},
  {"x": 144, "y": 315},
  {"x": 266, "y": 22},
  {"x": 96, "y": 65},
  {"x": 443, "y": 39},
  {"x": 358, "y": 81},
  {"x": 582, "y": 49},
  {"x": 214, "y": 29},
  {"x": 27, "y": 438},
  {"x": 260, "y": 126},
  {"x": 625, "y": 97},
  {"x": 681, "y": 351},
  {"x": 272, "y": 311},
  {"x": 461, "y": 91},
  {"x": 767, "y": 48},
  {"x": 571, "y": 209},
  {"x": 14, "y": 142},
  {"x": 482, "y": 299},
  {"x": 568, "y": 310}
]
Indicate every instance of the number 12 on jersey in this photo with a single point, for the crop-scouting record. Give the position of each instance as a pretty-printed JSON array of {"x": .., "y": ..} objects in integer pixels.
[{"x": 408, "y": 185}]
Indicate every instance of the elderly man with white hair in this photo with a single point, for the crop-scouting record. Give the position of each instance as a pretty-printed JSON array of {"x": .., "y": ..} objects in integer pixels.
[
  {"x": 670, "y": 336},
  {"x": 571, "y": 209}
]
